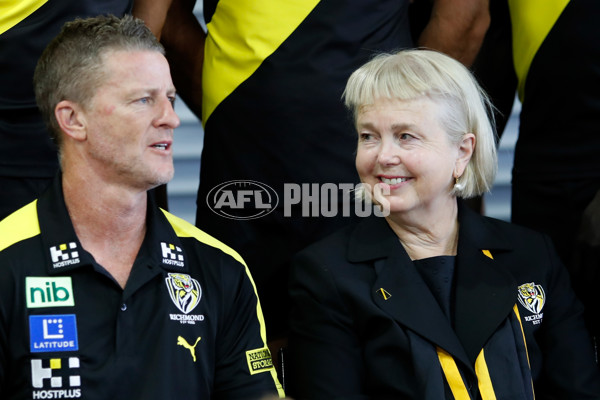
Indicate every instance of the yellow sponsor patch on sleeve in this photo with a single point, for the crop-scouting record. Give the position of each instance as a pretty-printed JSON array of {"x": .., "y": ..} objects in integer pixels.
[{"x": 259, "y": 360}]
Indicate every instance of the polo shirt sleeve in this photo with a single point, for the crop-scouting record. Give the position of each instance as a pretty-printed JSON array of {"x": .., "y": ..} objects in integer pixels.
[{"x": 244, "y": 368}]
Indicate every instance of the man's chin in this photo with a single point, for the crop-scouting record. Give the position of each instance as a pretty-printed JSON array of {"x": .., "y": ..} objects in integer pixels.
[{"x": 160, "y": 180}]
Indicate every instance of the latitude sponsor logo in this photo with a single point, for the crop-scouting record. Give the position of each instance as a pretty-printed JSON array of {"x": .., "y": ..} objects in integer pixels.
[
  {"x": 49, "y": 292},
  {"x": 52, "y": 333}
]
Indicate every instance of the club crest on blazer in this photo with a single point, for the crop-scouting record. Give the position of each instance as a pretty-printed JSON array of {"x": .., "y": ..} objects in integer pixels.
[{"x": 532, "y": 297}]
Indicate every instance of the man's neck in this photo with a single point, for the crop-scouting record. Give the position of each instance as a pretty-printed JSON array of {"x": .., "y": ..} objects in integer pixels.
[{"x": 108, "y": 220}]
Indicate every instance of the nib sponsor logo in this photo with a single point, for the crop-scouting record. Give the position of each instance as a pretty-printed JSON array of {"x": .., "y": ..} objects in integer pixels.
[{"x": 49, "y": 292}]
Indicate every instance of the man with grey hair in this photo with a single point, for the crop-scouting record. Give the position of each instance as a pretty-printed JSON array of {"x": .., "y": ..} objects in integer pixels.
[{"x": 102, "y": 294}]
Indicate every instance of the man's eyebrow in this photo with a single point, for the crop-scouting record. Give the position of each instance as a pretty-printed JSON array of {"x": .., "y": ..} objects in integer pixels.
[{"x": 151, "y": 90}]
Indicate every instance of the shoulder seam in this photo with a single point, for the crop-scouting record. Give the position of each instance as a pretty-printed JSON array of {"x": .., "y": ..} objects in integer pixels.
[{"x": 185, "y": 229}]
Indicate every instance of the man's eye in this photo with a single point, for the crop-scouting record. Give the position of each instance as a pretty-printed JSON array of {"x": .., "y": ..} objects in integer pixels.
[
  {"x": 144, "y": 100},
  {"x": 365, "y": 137},
  {"x": 405, "y": 136},
  {"x": 172, "y": 100}
]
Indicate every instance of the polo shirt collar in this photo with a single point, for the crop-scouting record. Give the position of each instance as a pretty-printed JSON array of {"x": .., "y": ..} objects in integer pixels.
[
  {"x": 63, "y": 251},
  {"x": 161, "y": 242}
]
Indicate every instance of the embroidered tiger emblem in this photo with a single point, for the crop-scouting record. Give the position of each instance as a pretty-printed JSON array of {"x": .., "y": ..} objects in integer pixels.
[
  {"x": 532, "y": 297},
  {"x": 184, "y": 290}
]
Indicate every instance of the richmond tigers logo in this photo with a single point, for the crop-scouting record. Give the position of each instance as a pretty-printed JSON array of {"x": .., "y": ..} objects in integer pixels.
[
  {"x": 184, "y": 291},
  {"x": 532, "y": 297}
]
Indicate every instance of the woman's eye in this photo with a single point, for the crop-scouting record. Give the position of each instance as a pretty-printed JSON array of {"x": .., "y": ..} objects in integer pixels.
[{"x": 365, "y": 137}]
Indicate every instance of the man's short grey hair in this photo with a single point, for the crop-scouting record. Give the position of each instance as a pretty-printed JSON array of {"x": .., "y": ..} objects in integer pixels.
[
  {"x": 417, "y": 73},
  {"x": 71, "y": 66}
]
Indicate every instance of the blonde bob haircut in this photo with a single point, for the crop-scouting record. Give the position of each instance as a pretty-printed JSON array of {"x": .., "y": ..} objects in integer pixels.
[{"x": 412, "y": 74}]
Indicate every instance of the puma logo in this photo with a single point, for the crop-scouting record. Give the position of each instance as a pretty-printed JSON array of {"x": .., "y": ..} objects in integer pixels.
[{"x": 182, "y": 342}]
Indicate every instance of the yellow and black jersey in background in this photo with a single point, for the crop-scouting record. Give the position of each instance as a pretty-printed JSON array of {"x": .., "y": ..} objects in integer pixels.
[
  {"x": 26, "y": 27},
  {"x": 556, "y": 50},
  {"x": 274, "y": 73}
]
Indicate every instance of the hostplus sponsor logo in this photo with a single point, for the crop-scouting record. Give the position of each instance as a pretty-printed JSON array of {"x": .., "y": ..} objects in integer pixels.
[
  {"x": 49, "y": 292},
  {"x": 244, "y": 200},
  {"x": 172, "y": 255},
  {"x": 185, "y": 292},
  {"x": 51, "y": 333},
  {"x": 56, "y": 378},
  {"x": 64, "y": 254}
]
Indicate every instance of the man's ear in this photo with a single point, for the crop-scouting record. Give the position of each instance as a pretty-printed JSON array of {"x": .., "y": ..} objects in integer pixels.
[
  {"x": 71, "y": 119},
  {"x": 465, "y": 152}
]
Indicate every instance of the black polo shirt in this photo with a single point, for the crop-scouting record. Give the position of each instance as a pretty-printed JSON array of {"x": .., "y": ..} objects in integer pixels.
[{"x": 187, "y": 325}]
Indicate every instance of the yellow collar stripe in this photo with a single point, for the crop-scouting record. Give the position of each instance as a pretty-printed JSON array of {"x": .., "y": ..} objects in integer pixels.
[
  {"x": 453, "y": 377},
  {"x": 13, "y": 12},
  {"x": 235, "y": 47},
  {"x": 531, "y": 21}
]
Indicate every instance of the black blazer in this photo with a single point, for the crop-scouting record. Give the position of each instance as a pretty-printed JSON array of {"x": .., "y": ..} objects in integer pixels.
[{"x": 359, "y": 306}]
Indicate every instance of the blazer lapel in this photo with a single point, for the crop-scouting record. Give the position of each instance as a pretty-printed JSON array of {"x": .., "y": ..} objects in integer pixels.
[
  {"x": 484, "y": 291},
  {"x": 399, "y": 289},
  {"x": 411, "y": 303}
]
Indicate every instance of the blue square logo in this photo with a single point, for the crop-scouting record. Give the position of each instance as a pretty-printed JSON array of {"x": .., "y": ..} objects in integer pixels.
[{"x": 53, "y": 333}]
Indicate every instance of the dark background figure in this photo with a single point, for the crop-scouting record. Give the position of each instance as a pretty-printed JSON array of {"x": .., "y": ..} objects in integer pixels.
[
  {"x": 266, "y": 81},
  {"x": 586, "y": 266},
  {"x": 555, "y": 69},
  {"x": 556, "y": 169},
  {"x": 28, "y": 158}
]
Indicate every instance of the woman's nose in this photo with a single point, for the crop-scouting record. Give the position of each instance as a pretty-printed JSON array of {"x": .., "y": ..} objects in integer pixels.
[{"x": 389, "y": 154}]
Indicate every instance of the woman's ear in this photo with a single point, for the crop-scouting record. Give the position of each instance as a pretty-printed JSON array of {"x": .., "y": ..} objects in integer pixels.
[
  {"x": 71, "y": 119},
  {"x": 465, "y": 152}
]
